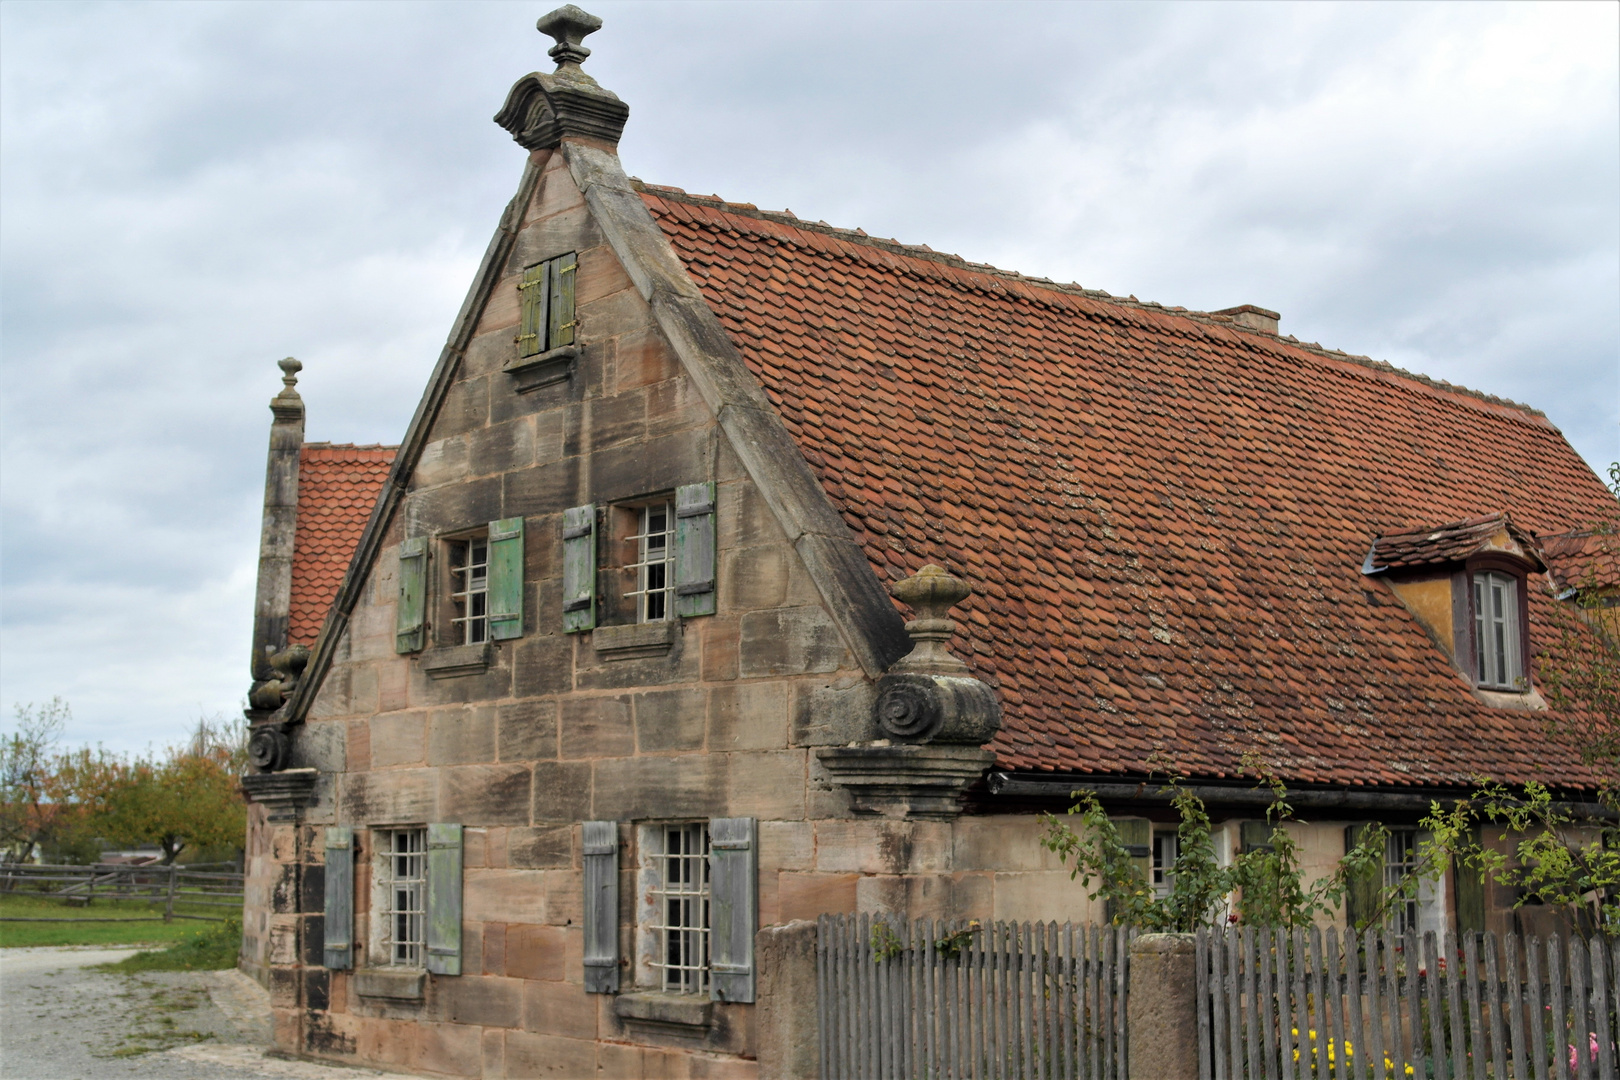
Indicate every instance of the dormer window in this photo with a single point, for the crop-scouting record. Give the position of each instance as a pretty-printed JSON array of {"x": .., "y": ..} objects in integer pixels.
[
  {"x": 1497, "y": 634},
  {"x": 1466, "y": 583}
]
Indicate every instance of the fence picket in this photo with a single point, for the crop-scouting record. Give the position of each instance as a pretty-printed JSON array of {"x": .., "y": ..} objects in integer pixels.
[
  {"x": 1600, "y": 1009},
  {"x": 1464, "y": 1035},
  {"x": 1555, "y": 1003},
  {"x": 1477, "y": 1051},
  {"x": 1578, "y": 1005}
]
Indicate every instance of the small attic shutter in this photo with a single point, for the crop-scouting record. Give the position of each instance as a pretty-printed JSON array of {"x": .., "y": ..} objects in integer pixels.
[
  {"x": 506, "y": 579},
  {"x": 444, "y": 899},
  {"x": 601, "y": 849},
  {"x": 579, "y": 568},
  {"x": 535, "y": 290},
  {"x": 339, "y": 921},
  {"x": 408, "y": 614},
  {"x": 1361, "y": 896},
  {"x": 694, "y": 550},
  {"x": 1256, "y": 836},
  {"x": 564, "y": 270},
  {"x": 733, "y": 907}
]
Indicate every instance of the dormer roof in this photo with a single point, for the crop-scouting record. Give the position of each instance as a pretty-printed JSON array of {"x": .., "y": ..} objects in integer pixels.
[{"x": 1454, "y": 542}]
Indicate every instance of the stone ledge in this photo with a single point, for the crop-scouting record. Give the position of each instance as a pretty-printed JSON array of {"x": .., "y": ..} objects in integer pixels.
[
  {"x": 453, "y": 660},
  {"x": 542, "y": 369},
  {"x": 391, "y": 983},
  {"x": 633, "y": 640},
  {"x": 283, "y": 793},
  {"x": 681, "y": 1014},
  {"x": 906, "y": 781}
]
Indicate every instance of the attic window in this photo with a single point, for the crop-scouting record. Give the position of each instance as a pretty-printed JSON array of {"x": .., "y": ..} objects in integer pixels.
[
  {"x": 546, "y": 337},
  {"x": 1498, "y": 662}
]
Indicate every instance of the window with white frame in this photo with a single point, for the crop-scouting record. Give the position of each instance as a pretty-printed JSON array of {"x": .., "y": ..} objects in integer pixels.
[
  {"x": 401, "y": 895},
  {"x": 1497, "y": 658},
  {"x": 1400, "y": 862},
  {"x": 469, "y": 590},
  {"x": 1165, "y": 848},
  {"x": 654, "y": 541},
  {"x": 676, "y": 924}
]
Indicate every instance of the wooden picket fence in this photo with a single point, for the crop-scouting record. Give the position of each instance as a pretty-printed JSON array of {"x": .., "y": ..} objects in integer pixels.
[
  {"x": 953, "y": 1000},
  {"x": 1291, "y": 1006}
]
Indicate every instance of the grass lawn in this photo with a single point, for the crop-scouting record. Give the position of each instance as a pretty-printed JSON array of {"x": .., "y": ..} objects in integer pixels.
[{"x": 83, "y": 932}]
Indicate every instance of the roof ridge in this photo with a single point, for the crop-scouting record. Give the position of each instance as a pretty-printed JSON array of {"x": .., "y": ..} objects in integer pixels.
[
  {"x": 348, "y": 446},
  {"x": 928, "y": 254}
]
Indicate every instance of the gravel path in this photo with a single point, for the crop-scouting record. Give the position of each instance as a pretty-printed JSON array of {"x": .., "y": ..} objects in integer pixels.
[{"x": 61, "y": 1021}]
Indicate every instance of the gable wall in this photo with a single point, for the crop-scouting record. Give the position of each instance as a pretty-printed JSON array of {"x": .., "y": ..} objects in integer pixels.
[{"x": 555, "y": 733}]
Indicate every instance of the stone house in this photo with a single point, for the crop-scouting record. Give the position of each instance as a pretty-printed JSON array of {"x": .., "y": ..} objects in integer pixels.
[{"x": 600, "y": 671}]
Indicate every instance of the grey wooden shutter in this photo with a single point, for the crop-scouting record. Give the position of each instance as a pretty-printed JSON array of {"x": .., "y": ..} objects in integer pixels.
[
  {"x": 733, "y": 907},
  {"x": 601, "y": 846},
  {"x": 410, "y": 611},
  {"x": 339, "y": 921},
  {"x": 535, "y": 290},
  {"x": 579, "y": 568},
  {"x": 444, "y": 899},
  {"x": 564, "y": 269},
  {"x": 694, "y": 550},
  {"x": 505, "y": 579}
]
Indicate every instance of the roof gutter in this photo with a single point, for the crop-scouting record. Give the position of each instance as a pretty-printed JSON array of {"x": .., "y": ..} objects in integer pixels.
[{"x": 1011, "y": 785}]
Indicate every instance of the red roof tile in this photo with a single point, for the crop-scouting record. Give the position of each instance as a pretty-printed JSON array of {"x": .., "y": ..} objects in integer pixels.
[
  {"x": 337, "y": 486},
  {"x": 1584, "y": 559},
  {"x": 1164, "y": 518}
]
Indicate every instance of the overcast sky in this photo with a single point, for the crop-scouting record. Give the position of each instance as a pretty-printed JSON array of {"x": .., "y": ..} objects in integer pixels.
[{"x": 189, "y": 192}]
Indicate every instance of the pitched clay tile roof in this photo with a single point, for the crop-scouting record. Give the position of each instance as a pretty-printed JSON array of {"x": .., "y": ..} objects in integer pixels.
[
  {"x": 1449, "y": 543},
  {"x": 337, "y": 486},
  {"x": 1164, "y": 517},
  {"x": 1583, "y": 559}
]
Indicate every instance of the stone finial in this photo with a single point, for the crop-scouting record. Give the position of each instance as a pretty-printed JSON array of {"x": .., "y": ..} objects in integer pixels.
[
  {"x": 931, "y": 593},
  {"x": 569, "y": 25},
  {"x": 287, "y": 405}
]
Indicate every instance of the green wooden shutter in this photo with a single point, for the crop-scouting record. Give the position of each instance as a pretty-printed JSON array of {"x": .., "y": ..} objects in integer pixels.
[
  {"x": 579, "y": 568},
  {"x": 694, "y": 550},
  {"x": 601, "y": 849},
  {"x": 1256, "y": 836},
  {"x": 339, "y": 920},
  {"x": 506, "y": 579},
  {"x": 444, "y": 899},
  {"x": 535, "y": 290},
  {"x": 409, "y": 613},
  {"x": 564, "y": 269},
  {"x": 1361, "y": 897},
  {"x": 733, "y": 907}
]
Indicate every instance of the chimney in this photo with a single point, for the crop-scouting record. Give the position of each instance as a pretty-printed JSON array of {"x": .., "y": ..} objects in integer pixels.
[
  {"x": 273, "y": 601},
  {"x": 1252, "y": 318},
  {"x": 542, "y": 110}
]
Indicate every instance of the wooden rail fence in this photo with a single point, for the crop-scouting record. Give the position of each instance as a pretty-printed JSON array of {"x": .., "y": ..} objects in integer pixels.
[
  {"x": 1291, "y": 1006},
  {"x": 194, "y": 886},
  {"x": 953, "y": 1000}
]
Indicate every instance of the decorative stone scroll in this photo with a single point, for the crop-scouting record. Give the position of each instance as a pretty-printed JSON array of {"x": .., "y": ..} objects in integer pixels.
[
  {"x": 930, "y": 718},
  {"x": 541, "y": 109}
]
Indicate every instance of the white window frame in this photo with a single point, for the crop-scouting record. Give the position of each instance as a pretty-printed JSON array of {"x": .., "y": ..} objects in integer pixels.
[
  {"x": 654, "y": 564},
  {"x": 468, "y": 588},
  {"x": 399, "y": 897},
  {"x": 1498, "y": 660},
  {"x": 1426, "y": 910},
  {"x": 1166, "y": 846},
  {"x": 674, "y": 920}
]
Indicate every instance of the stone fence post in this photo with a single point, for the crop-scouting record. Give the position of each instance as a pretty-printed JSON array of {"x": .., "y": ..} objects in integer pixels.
[
  {"x": 1162, "y": 1008},
  {"x": 785, "y": 1018}
]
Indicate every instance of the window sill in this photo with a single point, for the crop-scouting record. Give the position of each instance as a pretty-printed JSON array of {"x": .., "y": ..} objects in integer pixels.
[
  {"x": 633, "y": 640},
  {"x": 687, "y": 1014},
  {"x": 453, "y": 660},
  {"x": 1524, "y": 700},
  {"x": 542, "y": 369},
  {"x": 395, "y": 984}
]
